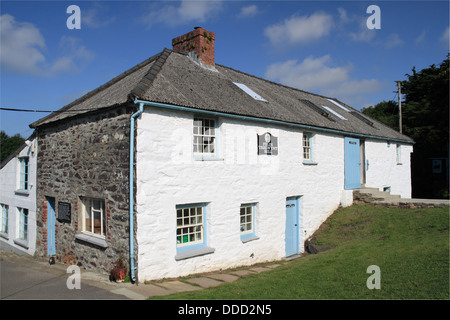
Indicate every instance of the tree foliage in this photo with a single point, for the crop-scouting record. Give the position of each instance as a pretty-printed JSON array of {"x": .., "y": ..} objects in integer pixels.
[
  {"x": 9, "y": 144},
  {"x": 425, "y": 118}
]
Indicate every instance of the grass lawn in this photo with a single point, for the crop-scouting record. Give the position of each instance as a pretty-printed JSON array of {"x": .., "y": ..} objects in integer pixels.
[{"x": 411, "y": 248}]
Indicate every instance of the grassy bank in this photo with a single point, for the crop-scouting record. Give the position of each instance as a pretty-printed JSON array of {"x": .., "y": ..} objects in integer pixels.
[{"x": 411, "y": 248}]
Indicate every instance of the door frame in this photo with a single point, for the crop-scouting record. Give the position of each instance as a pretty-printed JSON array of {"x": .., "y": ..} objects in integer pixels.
[
  {"x": 352, "y": 163},
  {"x": 292, "y": 232},
  {"x": 51, "y": 222}
]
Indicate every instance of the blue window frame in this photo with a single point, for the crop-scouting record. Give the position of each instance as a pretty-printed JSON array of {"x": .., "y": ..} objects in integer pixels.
[
  {"x": 307, "y": 144},
  {"x": 23, "y": 224},
  {"x": 23, "y": 173},
  {"x": 191, "y": 226},
  {"x": 4, "y": 226},
  {"x": 247, "y": 221}
]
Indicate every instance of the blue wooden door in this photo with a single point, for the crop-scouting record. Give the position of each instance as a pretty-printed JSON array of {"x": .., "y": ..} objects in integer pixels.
[
  {"x": 51, "y": 220},
  {"x": 292, "y": 227},
  {"x": 352, "y": 166}
]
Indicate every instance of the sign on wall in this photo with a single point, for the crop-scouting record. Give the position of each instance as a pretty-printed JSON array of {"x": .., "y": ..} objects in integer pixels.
[
  {"x": 64, "y": 211},
  {"x": 267, "y": 144}
]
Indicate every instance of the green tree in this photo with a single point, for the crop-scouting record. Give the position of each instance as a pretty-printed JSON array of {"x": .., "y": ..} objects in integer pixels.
[
  {"x": 425, "y": 118},
  {"x": 386, "y": 112},
  {"x": 9, "y": 144}
]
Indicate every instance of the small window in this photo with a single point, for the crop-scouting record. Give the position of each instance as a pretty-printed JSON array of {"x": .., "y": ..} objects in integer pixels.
[
  {"x": 399, "y": 154},
  {"x": 23, "y": 223},
  {"x": 190, "y": 225},
  {"x": 4, "y": 225},
  {"x": 204, "y": 136},
  {"x": 307, "y": 152},
  {"x": 23, "y": 174},
  {"x": 94, "y": 218},
  {"x": 247, "y": 220}
]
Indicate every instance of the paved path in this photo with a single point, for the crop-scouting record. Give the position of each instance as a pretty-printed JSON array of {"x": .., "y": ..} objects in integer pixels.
[{"x": 26, "y": 277}]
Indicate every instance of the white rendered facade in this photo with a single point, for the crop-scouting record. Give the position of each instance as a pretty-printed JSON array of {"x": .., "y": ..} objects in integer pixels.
[
  {"x": 170, "y": 177},
  {"x": 18, "y": 200}
]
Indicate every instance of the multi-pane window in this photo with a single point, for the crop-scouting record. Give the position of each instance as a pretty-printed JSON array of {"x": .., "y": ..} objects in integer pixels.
[
  {"x": 4, "y": 225},
  {"x": 246, "y": 217},
  {"x": 190, "y": 225},
  {"x": 94, "y": 216},
  {"x": 23, "y": 223},
  {"x": 23, "y": 174},
  {"x": 307, "y": 156},
  {"x": 247, "y": 221},
  {"x": 204, "y": 136}
]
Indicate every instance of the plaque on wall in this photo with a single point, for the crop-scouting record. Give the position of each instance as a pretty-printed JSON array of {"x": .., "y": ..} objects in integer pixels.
[
  {"x": 267, "y": 144},
  {"x": 64, "y": 211}
]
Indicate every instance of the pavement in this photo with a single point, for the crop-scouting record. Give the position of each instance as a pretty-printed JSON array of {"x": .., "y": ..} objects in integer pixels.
[{"x": 25, "y": 277}]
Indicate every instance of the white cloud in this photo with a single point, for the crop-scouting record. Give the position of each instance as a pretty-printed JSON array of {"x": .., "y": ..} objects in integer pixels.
[
  {"x": 23, "y": 45},
  {"x": 319, "y": 76},
  {"x": 310, "y": 74},
  {"x": 248, "y": 11},
  {"x": 445, "y": 37},
  {"x": 299, "y": 29},
  {"x": 186, "y": 12},
  {"x": 92, "y": 17},
  {"x": 420, "y": 38},
  {"x": 393, "y": 40}
]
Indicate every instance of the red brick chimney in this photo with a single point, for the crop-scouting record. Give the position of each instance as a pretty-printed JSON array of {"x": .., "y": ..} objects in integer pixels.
[{"x": 199, "y": 41}]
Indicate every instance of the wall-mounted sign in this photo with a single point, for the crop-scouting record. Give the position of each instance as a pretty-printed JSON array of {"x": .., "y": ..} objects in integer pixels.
[
  {"x": 64, "y": 211},
  {"x": 267, "y": 144}
]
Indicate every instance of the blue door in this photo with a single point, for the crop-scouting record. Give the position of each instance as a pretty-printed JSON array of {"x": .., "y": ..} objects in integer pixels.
[
  {"x": 51, "y": 220},
  {"x": 292, "y": 227},
  {"x": 352, "y": 166}
]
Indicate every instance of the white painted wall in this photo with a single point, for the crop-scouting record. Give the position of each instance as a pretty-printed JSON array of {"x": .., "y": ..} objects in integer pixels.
[
  {"x": 11, "y": 196},
  {"x": 384, "y": 170},
  {"x": 168, "y": 175}
]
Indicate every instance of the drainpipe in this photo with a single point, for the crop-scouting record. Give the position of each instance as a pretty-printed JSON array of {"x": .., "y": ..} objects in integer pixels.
[{"x": 133, "y": 118}]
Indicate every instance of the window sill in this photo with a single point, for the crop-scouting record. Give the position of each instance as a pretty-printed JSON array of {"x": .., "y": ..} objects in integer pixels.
[
  {"x": 310, "y": 163},
  {"x": 22, "y": 192},
  {"x": 4, "y": 235},
  {"x": 248, "y": 239},
  {"x": 207, "y": 159},
  {"x": 97, "y": 241},
  {"x": 193, "y": 253},
  {"x": 22, "y": 243}
]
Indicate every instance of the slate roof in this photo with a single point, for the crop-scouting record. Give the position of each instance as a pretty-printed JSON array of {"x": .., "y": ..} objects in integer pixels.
[{"x": 174, "y": 78}]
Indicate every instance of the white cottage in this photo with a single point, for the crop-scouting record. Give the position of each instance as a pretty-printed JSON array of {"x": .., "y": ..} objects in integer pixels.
[
  {"x": 233, "y": 170},
  {"x": 225, "y": 169},
  {"x": 18, "y": 199}
]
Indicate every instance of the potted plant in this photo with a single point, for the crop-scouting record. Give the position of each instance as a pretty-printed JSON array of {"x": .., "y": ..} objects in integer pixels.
[{"x": 119, "y": 271}]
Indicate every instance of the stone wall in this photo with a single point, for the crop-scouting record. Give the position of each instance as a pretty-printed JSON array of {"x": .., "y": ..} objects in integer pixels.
[{"x": 88, "y": 157}]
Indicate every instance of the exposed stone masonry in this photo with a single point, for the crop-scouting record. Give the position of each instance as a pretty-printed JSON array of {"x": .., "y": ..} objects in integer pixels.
[{"x": 85, "y": 157}]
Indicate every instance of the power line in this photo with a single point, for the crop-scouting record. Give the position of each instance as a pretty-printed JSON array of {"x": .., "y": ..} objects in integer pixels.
[
  {"x": 23, "y": 110},
  {"x": 45, "y": 111}
]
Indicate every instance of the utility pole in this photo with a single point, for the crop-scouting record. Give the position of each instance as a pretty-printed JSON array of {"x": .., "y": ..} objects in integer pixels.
[{"x": 399, "y": 106}]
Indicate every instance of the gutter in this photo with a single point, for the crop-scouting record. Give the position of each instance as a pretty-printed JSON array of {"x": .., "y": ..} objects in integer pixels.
[
  {"x": 269, "y": 121},
  {"x": 132, "y": 162}
]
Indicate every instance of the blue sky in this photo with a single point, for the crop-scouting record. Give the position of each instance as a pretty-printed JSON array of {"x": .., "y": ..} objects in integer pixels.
[{"x": 323, "y": 47}]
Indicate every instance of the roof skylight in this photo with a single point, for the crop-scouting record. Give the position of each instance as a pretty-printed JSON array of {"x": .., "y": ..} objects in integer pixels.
[
  {"x": 361, "y": 117},
  {"x": 335, "y": 113},
  {"x": 250, "y": 92},
  {"x": 339, "y": 105},
  {"x": 315, "y": 108}
]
